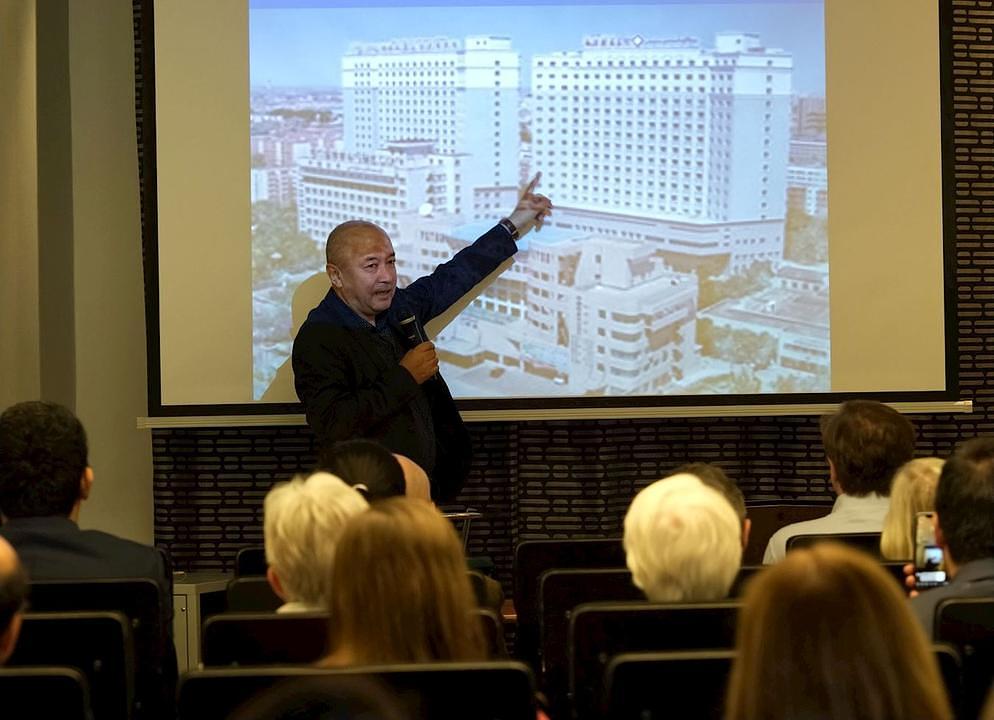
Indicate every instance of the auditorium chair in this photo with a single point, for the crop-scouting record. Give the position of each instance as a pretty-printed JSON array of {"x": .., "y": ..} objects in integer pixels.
[
  {"x": 139, "y": 599},
  {"x": 250, "y": 561},
  {"x": 768, "y": 516},
  {"x": 45, "y": 692},
  {"x": 599, "y": 631},
  {"x": 252, "y": 639},
  {"x": 531, "y": 559},
  {"x": 868, "y": 542},
  {"x": 97, "y": 644},
  {"x": 968, "y": 625},
  {"x": 440, "y": 691},
  {"x": 560, "y": 591},
  {"x": 254, "y": 594},
  {"x": 659, "y": 686},
  {"x": 692, "y": 684},
  {"x": 251, "y": 594}
]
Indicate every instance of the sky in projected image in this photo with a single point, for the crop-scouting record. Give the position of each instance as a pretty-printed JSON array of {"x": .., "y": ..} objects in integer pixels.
[{"x": 682, "y": 144}]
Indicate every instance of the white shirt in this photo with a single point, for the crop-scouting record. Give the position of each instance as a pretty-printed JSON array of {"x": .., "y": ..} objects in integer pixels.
[{"x": 849, "y": 515}]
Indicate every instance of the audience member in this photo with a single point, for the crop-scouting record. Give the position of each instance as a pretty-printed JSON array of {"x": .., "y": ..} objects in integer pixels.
[
  {"x": 827, "y": 634},
  {"x": 964, "y": 527},
  {"x": 303, "y": 520},
  {"x": 865, "y": 443},
  {"x": 401, "y": 591},
  {"x": 373, "y": 470},
  {"x": 44, "y": 480},
  {"x": 714, "y": 477},
  {"x": 13, "y": 592},
  {"x": 912, "y": 491},
  {"x": 682, "y": 541}
]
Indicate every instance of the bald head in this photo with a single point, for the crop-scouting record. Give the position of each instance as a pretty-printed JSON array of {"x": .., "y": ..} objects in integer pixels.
[
  {"x": 341, "y": 240},
  {"x": 13, "y": 592}
]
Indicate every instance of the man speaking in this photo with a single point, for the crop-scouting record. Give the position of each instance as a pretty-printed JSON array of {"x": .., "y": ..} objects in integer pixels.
[{"x": 361, "y": 365}]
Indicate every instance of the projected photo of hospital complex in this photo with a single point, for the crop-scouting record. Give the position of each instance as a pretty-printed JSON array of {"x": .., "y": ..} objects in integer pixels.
[{"x": 687, "y": 253}]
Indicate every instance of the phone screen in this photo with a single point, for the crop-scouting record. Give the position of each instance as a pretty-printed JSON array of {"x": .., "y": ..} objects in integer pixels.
[{"x": 929, "y": 572}]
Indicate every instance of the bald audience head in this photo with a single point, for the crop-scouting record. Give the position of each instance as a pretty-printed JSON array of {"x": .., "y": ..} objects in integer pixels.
[{"x": 13, "y": 592}]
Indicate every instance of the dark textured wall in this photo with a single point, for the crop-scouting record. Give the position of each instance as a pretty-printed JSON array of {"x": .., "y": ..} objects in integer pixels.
[{"x": 573, "y": 478}]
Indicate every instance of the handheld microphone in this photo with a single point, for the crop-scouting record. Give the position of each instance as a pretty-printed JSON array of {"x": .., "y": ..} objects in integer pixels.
[{"x": 412, "y": 330}]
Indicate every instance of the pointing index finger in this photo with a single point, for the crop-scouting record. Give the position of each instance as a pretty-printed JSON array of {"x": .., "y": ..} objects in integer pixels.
[{"x": 534, "y": 182}]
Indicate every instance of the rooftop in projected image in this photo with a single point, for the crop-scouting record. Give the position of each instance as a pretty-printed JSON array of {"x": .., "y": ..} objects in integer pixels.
[{"x": 548, "y": 235}]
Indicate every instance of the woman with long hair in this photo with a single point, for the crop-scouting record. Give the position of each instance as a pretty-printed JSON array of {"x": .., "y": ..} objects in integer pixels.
[
  {"x": 912, "y": 491},
  {"x": 401, "y": 593},
  {"x": 828, "y": 634}
]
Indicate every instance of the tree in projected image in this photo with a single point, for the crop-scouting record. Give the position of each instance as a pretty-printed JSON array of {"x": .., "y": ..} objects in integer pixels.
[{"x": 805, "y": 238}]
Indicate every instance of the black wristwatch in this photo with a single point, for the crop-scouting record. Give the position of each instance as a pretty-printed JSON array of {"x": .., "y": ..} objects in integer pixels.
[{"x": 512, "y": 230}]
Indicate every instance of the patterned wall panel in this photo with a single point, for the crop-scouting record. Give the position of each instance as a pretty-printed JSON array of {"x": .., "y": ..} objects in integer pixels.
[{"x": 559, "y": 479}]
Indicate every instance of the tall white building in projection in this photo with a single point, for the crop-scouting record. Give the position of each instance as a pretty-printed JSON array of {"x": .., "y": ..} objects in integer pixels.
[
  {"x": 670, "y": 142},
  {"x": 428, "y": 121}
]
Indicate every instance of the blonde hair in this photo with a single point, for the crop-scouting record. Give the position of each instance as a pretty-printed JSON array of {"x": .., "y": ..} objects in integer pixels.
[
  {"x": 302, "y": 521},
  {"x": 912, "y": 491},
  {"x": 401, "y": 590},
  {"x": 827, "y": 633},
  {"x": 683, "y": 541}
]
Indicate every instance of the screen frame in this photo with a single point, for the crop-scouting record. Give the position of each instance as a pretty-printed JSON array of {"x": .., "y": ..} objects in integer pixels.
[{"x": 559, "y": 407}]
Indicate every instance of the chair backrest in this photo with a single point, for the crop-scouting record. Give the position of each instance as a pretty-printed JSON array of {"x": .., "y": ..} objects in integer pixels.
[
  {"x": 141, "y": 601},
  {"x": 250, "y": 561},
  {"x": 440, "y": 691},
  {"x": 253, "y": 639},
  {"x": 45, "y": 692},
  {"x": 560, "y": 591},
  {"x": 746, "y": 572},
  {"x": 968, "y": 624},
  {"x": 692, "y": 684},
  {"x": 531, "y": 559},
  {"x": 97, "y": 644},
  {"x": 951, "y": 669},
  {"x": 232, "y": 639},
  {"x": 599, "y": 631},
  {"x": 868, "y": 542},
  {"x": 493, "y": 633},
  {"x": 688, "y": 684},
  {"x": 768, "y": 517},
  {"x": 251, "y": 594}
]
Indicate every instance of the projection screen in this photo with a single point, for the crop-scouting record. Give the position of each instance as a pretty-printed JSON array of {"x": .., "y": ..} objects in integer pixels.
[{"x": 748, "y": 195}]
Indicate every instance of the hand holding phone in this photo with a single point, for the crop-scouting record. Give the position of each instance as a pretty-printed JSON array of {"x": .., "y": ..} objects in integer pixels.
[{"x": 929, "y": 561}]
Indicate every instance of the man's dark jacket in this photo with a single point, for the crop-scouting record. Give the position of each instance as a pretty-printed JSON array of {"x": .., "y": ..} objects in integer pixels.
[{"x": 350, "y": 390}]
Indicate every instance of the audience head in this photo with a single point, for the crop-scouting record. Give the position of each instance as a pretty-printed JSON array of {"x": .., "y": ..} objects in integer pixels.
[
  {"x": 43, "y": 461},
  {"x": 714, "y": 477},
  {"x": 866, "y": 442},
  {"x": 402, "y": 591},
  {"x": 682, "y": 541},
  {"x": 365, "y": 465},
  {"x": 13, "y": 592},
  {"x": 964, "y": 502},
  {"x": 828, "y": 634},
  {"x": 303, "y": 520},
  {"x": 911, "y": 492},
  {"x": 416, "y": 482}
]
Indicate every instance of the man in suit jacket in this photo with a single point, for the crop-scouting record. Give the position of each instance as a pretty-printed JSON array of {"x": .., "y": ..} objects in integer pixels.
[
  {"x": 360, "y": 366},
  {"x": 44, "y": 479}
]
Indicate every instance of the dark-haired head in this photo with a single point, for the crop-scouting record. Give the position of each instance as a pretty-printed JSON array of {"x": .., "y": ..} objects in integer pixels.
[
  {"x": 43, "y": 460},
  {"x": 365, "y": 465},
  {"x": 866, "y": 442},
  {"x": 964, "y": 501}
]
